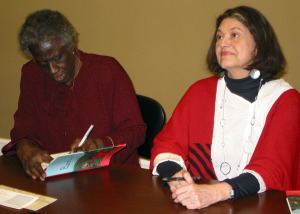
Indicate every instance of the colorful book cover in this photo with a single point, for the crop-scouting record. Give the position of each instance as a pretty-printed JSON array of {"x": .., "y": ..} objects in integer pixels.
[
  {"x": 79, "y": 161},
  {"x": 293, "y": 200}
]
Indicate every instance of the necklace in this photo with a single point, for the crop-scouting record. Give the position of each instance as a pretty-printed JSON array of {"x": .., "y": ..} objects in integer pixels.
[
  {"x": 248, "y": 147},
  {"x": 77, "y": 68}
]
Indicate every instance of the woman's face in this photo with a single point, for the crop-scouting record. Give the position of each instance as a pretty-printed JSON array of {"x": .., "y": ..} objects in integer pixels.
[
  {"x": 235, "y": 47},
  {"x": 57, "y": 61}
]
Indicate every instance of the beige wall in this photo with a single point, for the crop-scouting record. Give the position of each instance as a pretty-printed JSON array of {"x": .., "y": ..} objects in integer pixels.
[{"x": 161, "y": 43}]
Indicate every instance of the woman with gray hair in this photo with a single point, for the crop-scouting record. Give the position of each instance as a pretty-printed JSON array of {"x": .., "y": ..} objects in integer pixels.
[{"x": 64, "y": 91}]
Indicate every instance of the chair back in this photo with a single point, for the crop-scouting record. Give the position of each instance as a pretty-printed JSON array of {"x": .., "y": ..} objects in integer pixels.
[{"x": 154, "y": 116}]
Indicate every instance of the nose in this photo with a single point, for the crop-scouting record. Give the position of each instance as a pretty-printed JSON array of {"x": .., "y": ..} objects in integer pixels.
[
  {"x": 224, "y": 42},
  {"x": 53, "y": 68}
]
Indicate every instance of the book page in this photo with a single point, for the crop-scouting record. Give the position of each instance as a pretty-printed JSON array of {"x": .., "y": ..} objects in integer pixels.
[
  {"x": 44, "y": 165},
  {"x": 15, "y": 200}
]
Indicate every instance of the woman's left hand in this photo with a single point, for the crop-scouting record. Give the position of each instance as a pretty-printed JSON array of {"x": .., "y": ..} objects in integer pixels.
[{"x": 196, "y": 196}]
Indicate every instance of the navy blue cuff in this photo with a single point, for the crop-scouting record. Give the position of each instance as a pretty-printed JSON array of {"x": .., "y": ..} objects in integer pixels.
[
  {"x": 243, "y": 185},
  {"x": 167, "y": 169}
]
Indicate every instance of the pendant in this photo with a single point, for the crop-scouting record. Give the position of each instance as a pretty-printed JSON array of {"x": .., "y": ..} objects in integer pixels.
[{"x": 225, "y": 168}]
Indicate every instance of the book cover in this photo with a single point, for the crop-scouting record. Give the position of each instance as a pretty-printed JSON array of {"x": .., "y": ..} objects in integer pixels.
[
  {"x": 293, "y": 200},
  {"x": 73, "y": 162}
]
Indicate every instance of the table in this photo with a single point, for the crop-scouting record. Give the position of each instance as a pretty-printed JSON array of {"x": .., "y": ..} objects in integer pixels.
[{"x": 122, "y": 189}]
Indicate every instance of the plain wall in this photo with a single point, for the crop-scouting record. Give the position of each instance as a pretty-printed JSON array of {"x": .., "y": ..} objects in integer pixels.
[{"x": 162, "y": 44}]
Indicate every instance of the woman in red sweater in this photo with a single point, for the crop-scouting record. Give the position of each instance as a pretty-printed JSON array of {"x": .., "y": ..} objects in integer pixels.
[{"x": 241, "y": 126}]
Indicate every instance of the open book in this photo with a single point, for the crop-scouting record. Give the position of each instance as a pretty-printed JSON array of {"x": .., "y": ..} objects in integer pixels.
[
  {"x": 65, "y": 162},
  {"x": 293, "y": 200}
]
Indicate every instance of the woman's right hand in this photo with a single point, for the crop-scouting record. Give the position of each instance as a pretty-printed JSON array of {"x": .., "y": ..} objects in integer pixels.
[
  {"x": 32, "y": 158},
  {"x": 197, "y": 196}
]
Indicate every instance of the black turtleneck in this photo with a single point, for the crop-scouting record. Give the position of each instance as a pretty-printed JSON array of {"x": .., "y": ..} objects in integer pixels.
[{"x": 246, "y": 87}]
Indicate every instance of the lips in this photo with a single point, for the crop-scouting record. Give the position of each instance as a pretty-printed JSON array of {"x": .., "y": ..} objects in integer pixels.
[
  {"x": 59, "y": 78},
  {"x": 226, "y": 53}
]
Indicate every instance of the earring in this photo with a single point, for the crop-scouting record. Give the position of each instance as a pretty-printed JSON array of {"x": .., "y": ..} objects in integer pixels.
[
  {"x": 221, "y": 74},
  {"x": 255, "y": 74}
]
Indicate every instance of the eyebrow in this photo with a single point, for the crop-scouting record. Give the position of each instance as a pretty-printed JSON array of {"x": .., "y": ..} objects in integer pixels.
[{"x": 231, "y": 29}]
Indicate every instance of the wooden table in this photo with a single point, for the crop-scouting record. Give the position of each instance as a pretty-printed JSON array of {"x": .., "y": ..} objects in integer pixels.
[{"x": 121, "y": 189}]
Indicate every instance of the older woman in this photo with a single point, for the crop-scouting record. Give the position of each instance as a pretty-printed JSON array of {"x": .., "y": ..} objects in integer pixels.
[
  {"x": 64, "y": 91},
  {"x": 241, "y": 126}
]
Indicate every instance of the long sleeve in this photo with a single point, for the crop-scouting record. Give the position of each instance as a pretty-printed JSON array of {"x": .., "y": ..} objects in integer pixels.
[
  {"x": 127, "y": 121},
  {"x": 53, "y": 116},
  {"x": 276, "y": 157},
  {"x": 190, "y": 129},
  {"x": 26, "y": 121}
]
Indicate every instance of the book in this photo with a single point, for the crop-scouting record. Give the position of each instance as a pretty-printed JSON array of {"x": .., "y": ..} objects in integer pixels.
[
  {"x": 66, "y": 162},
  {"x": 293, "y": 201}
]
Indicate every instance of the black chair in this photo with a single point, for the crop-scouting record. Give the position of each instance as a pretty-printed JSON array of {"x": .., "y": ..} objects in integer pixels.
[{"x": 154, "y": 116}]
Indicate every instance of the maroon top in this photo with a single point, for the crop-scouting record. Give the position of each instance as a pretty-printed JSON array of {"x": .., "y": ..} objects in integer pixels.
[{"x": 53, "y": 116}]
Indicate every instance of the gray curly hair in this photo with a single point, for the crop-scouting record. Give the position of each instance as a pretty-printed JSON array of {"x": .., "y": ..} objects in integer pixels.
[{"x": 44, "y": 25}]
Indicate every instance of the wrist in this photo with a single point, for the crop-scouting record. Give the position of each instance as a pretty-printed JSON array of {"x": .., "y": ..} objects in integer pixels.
[
  {"x": 108, "y": 141},
  {"x": 23, "y": 144},
  {"x": 228, "y": 193}
]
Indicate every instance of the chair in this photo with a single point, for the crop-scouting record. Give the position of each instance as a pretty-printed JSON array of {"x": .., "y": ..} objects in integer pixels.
[{"x": 154, "y": 116}]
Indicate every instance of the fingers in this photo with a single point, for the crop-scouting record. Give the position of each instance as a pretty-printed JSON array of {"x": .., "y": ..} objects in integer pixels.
[
  {"x": 93, "y": 143},
  {"x": 177, "y": 184},
  {"x": 31, "y": 158},
  {"x": 187, "y": 176},
  {"x": 196, "y": 196},
  {"x": 182, "y": 191},
  {"x": 187, "y": 196},
  {"x": 174, "y": 185},
  {"x": 36, "y": 171},
  {"x": 33, "y": 167},
  {"x": 89, "y": 144},
  {"x": 45, "y": 157},
  {"x": 74, "y": 145}
]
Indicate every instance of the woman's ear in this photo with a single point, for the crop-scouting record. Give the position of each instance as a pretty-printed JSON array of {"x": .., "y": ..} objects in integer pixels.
[{"x": 255, "y": 50}]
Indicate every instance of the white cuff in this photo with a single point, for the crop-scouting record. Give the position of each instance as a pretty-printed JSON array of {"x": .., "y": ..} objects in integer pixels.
[{"x": 163, "y": 157}]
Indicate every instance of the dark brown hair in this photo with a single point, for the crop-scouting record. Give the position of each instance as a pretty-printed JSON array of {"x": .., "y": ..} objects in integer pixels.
[{"x": 269, "y": 58}]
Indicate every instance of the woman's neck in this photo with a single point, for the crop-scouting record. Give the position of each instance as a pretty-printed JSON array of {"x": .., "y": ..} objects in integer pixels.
[{"x": 238, "y": 74}]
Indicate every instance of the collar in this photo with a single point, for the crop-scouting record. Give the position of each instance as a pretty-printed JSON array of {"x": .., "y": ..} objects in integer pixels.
[{"x": 247, "y": 87}]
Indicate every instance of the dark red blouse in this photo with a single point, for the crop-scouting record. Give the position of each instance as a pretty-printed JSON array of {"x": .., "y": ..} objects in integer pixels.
[{"x": 53, "y": 116}]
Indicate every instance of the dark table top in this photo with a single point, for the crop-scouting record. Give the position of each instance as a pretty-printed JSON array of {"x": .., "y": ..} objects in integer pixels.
[{"x": 121, "y": 189}]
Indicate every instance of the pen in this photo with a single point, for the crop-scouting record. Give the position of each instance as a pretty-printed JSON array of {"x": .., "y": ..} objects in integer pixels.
[
  {"x": 86, "y": 135},
  {"x": 167, "y": 179}
]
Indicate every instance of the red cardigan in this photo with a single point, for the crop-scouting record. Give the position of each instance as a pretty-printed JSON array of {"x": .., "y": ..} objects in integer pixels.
[
  {"x": 189, "y": 134},
  {"x": 52, "y": 116}
]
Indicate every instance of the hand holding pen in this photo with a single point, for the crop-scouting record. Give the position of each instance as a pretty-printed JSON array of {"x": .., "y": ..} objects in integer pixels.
[{"x": 76, "y": 145}]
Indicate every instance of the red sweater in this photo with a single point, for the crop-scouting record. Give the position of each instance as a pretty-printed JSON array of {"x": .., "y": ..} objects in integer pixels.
[
  {"x": 52, "y": 116},
  {"x": 190, "y": 130}
]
